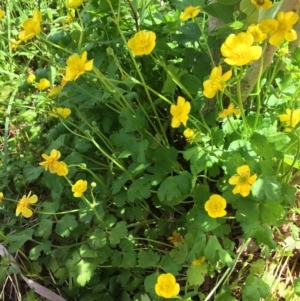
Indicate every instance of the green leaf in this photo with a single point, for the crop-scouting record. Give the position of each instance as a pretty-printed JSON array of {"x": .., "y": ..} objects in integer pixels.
[
  {"x": 169, "y": 266},
  {"x": 66, "y": 225},
  {"x": 268, "y": 187},
  {"x": 18, "y": 239},
  {"x": 31, "y": 172},
  {"x": 255, "y": 289},
  {"x": 45, "y": 228},
  {"x": 214, "y": 252},
  {"x": 98, "y": 239},
  {"x": 119, "y": 183},
  {"x": 35, "y": 252},
  {"x": 257, "y": 267},
  {"x": 174, "y": 187},
  {"x": 169, "y": 84},
  {"x": 190, "y": 33},
  {"x": 178, "y": 255},
  {"x": 227, "y": 2},
  {"x": 118, "y": 232},
  {"x": 85, "y": 271},
  {"x": 198, "y": 158},
  {"x": 225, "y": 294},
  {"x": 148, "y": 259},
  {"x": 196, "y": 273},
  {"x": 220, "y": 11},
  {"x": 262, "y": 147},
  {"x": 271, "y": 212},
  {"x": 128, "y": 260},
  {"x": 191, "y": 83},
  {"x": 297, "y": 286},
  {"x": 140, "y": 189}
]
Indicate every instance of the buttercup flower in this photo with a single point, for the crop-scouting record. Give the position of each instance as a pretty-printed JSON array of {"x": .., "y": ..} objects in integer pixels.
[
  {"x": 77, "y": 65},
  {"x": 264, "y": 4},
  {"x": 142, "y": 43},
  {"x": 73, "y": 3},
  {"x": 243, "y": 181},
  {"x": 50, "y": 160},
  {"x": 79, "y": 188},
  {"x": 256, "y": 33},
  {"x": 175, "y": 238},
  {"x": 14, "y": 44},
  {"x": 60, "y": 112},
  {"x": 43, "y": 84},
  {"x": 291, "y": 118},
  {"x": 180, "y": 112},
  {"x": 54, "y": 91},
  {"x": 60, "y": 168},
  {"x": 24, "y": 203},
  {"x": 198, "y": 261},
  {"x": 281, "y": 28},
  {"x": 31, "y": 27},
  {"x": 216, "y": 82},
  {"x": 229, "y": 111},
  {"x": 238, "y": 49},
  {"x": 188, "y": 133},
  {"x": 215, "y": 206},
  {"x": 1, "y": 196},
  {"x": 190, "y": 12},
  {"x": 2, "y": 14},
  {"x": 166, "y": 286},
  {"x": 31, "y": 78},
  {"x": 70, "y": 15}
]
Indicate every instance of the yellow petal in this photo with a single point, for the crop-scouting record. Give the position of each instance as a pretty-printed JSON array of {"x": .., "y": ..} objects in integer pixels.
[{"x": 26, "y": 212}]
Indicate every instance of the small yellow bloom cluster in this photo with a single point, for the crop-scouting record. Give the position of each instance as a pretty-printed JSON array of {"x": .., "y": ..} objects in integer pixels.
[
  {"x": 24, "y": 203},
  {"x": 190, "y": 12},
  {"x": 43, "y": 84},
  {"x": 215, "y": 206},
  {"x": 79, "y": 188},
  {"x": 31, "y": 27},
  {"x": 291, "y": 118},
  {"x": 1, "y": 196},
  {"x": 2, "y": 14},
  {"x": 166, "y": 286},
  {"x": 243, "y": 181},
  {"x": 229, "y": 111},
  {"x": 73, "y": 3},
  {"x": 256, "y": 33},
  {"x": 216, "y": 82},
  {"x": 280, "y": 29},
  {"x": 180, "y": 112},
  {"x": 60, "y": 112},
  {"x": 77, "y": 65},
  {"x": 198, "y": 261},
  {"x": 51, "y": 162},
  {"x": 142, "y": 43}
]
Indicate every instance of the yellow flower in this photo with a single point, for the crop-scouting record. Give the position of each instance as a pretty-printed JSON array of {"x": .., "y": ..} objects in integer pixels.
[
  {"x": 176, "y": 238},
  {"x": 216, "y": 82},
  {"x": 198, "y": 261},
  {"x": 264, "y": 4},
  {"x": 43, "y": 84},
  {"x": 60, "y": 112},
  {"x": 14, "y": 44},
  {"x": 73, "y": 3},
  {"x": 256, "y": 33},
  {"x": 215, "y": 206},
  {"x": 188, "y": 133},
  {"x": 70, "y": 15},
  {"x": 77, "y": 65},
  {"x": 79, "y": 188},
  {"x": 31, "y": 78},
  {"x": 143, "y": 42},
  {"x": 60, "y": 168},
  {"x": 31, "y": 27},
  {"x": 238, "y": 49},
  {"x": 190, "y": 12},
  {"x": 166, "y": 286},
  {"x": 229, "y": 111},
  {"x": 1, "y": 196},
  {"x": 50, "y": 160},
  {"x": 281, "y": 28},
  {"x": 243, "y": 181},
  {"x": 2, "y": 14},
  {"x": 180, "y": 112},
  {"x": 54, "y": 91},
  {"x": 24, "y": 203},
  {"x": 291, "y": 118}
]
